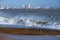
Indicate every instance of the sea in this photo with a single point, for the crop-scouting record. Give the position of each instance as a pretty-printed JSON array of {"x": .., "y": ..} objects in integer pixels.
[
  {"x": 28, "y": 37},
  {"x": 27, "y": 20}
]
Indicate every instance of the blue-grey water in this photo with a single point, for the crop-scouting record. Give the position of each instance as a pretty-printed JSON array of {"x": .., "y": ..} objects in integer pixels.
[
  {"x": 30, "y": 37},
  {"x": 9, "y": 19},
  {"x": 27, "y": 20}
]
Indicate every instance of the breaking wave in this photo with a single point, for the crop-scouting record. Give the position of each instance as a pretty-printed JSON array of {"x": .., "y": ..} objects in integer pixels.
[{"x": 30, "y": 21}]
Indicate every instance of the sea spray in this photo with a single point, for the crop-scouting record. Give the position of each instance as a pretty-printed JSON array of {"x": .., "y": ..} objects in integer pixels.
[{"x": 26, "y": 21}]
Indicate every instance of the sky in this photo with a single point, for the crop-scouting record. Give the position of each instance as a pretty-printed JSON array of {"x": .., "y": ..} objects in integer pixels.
[{"x": 34, "y": 3}]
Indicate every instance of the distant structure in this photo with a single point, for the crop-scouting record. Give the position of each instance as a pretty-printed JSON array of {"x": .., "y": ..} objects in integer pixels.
[
  {"x": 1, "y": 7},
  {"x": 28, "y": 6}
]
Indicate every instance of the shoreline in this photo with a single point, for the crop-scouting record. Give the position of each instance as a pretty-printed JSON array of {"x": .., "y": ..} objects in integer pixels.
[{"x": 29, "y": 31}]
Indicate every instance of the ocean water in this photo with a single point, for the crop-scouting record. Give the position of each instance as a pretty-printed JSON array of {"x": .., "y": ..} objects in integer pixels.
[
  {"x": 28, "y": 37},
  {"x": 27, "y": 20},
  {"x": 9, "y": 19}
]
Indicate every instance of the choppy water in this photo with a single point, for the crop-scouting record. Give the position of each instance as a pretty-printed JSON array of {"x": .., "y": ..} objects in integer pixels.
[{"x": 8, "y": 19}]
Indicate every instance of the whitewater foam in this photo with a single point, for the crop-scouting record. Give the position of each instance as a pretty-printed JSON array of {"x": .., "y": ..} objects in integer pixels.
[{"x": 27, "y": 22}]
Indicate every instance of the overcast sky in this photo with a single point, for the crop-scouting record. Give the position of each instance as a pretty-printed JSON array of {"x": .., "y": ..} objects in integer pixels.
[{"x": 42, "y": 3}]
